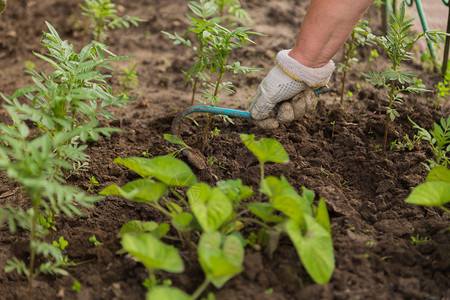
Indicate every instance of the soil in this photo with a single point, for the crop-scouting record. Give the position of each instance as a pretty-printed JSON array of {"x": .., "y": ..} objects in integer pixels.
[{"x": 364, "y": 188}]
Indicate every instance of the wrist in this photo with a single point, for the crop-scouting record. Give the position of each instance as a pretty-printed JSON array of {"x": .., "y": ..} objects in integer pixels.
[{"x": 312, "y": 76}]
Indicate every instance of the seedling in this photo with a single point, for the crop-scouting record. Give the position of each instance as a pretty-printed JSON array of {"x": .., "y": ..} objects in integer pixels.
[
  {"x": 76, "y": 286},
  {"x": 216, "y": 214},
  {"x": 129, "y": 81},
  {"x": 216, "y": 43},
  {"x": 373, "y": 55},
  {"x": 102, "y": 16},
  {"x": 435, "y": 191},
  {"x": 416, "y": 240},
  {"x": 397, "y": 44},
  {"x": 93, "y": 182},
  {"x": 439, "y": 140},
  {"x": 72, "y": 98},
  {"x": 443, "y": 90},
  {"x": 360, "y": 36},
  {"x": 93, "y": 240}
]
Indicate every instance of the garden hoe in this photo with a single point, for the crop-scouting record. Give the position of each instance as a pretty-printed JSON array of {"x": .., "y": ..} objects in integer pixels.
[{"x": 195, "y": 156}]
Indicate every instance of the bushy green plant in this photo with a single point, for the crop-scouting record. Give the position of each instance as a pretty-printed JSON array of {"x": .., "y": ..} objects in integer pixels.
[
  {"x": 34, "y": 162},
  {"x": 74, "y": 96},
  {"x": 211, "y": 46},
  {"x": 439, "y": 140},
  {"x": 216, "y": 215},
  {"x": 102, "y": 16},
  {"x": 397, "y": 44}
]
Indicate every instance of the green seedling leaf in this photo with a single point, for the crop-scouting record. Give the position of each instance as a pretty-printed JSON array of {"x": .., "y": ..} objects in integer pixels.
[
  {"x": 439, "y": 173},
  {"x": 166, "y": 293},
  {"x": 210, "y": 206},
  {"x": 169, "y": 170},
  {"x": 321, "y": 215},
  {"x": 154, "y": 254},
  {"x": 432, "y": 193},
  {"x": 315, "y": 248},
  {"x": 266, "y": 149},
  {"x": 183, "y": 221},
  {"x": 234, "y": 189},
  {"x": 264, "y": 211},
  {"x": 220, "y": 256},
  {"x": 173, "y": 139},
  {"x": 137, "y": 226},
  {"x": 140, "y": 190},
  {"x": 284, "y": 198}
]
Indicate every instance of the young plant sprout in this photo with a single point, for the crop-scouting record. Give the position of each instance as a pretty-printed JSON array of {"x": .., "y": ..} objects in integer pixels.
[
  {"x": 102, "y": 16},
  {"x": 215, "y": 44},
  {"x": 358, "y": 37},
  {"x": 216, "y": 214},
  {"x": 397, "y": 44}
]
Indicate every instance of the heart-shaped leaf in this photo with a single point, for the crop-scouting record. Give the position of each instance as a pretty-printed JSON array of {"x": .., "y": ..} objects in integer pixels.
[{"x": 266, "y": 149}]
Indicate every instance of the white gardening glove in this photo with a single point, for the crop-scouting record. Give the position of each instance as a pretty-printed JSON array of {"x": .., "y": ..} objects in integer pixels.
[{"x": 286, "y": 80}]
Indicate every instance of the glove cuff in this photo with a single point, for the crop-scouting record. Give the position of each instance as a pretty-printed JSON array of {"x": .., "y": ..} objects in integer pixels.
[{"x": 313, "y": 77}]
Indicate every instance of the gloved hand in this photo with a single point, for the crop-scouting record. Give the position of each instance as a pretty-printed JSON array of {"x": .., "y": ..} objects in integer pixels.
[{"x": 286, "y": 80}]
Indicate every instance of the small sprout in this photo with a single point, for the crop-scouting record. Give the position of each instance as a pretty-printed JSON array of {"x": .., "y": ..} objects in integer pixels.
[
  {"x": 93, "y": 182},
  {"x": 146, "y": 153},
  {"x": 416, "y": 240},
  {"x": 94, "y": 240},
  {"x": 366, "y": 255},
  {"x": 369, "y": 243},
  {"x": 61, "y": 244},
  {"x": 269, "y": 291},
  {"x": 76, "y": 286}
]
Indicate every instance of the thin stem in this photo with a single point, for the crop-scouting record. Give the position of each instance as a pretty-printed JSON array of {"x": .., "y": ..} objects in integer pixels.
[
  {"x": 194, "y": 90},
  {"x": 122, "y": 84},
  {"x": 256, "y": 222},
  {"x": 200, "y": 289},
  {"x": 33, "y": 239},
  {"x": 208, "y": 122},
  {"x": 388, "y": 118},
  {"x": 172, "y": 189},
  {"x": 347, "y": 63},
  {"x": 445, "y": 209}
]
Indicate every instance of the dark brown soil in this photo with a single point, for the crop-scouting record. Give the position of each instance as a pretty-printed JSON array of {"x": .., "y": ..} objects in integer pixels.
[{"x": 364, "y": 188}]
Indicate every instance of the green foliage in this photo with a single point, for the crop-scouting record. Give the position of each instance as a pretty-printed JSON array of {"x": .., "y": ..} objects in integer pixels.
[
  {"x": 360, "y": 36},
  {"x": 93, "y": 240},
  {"x": 2, "y": 6},
  {"x": 435, "y": 191},
  {"x": 102, "y": 16},
  {"x": 72, "y": 98},
  {"x": 443, "y": 90},
  {"x": 397, "y": 44},
  {"x": 216, "y": 214},
  {"x": 439, "y": 140},
  {"x": 212, "y": 46},
  {"x": 129, "y": 80},
  {"x": 232, "y": 11}
]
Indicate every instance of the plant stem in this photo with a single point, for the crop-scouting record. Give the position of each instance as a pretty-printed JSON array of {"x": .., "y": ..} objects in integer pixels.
[
  {"x": 194, "y": 90},
  {"x": 347, "y": 63},
  {"x": 33, "y": 239},
  {"x": 208, "y": 122},
  {"x": 445, "y": 209},
  {"x": 388, "y": 118},
  {"x": 122, "y": 84},
  {"x": 172, "y": 189},
  {"x": 262, "y": 224},
  {"x": 200, "y": 289}
]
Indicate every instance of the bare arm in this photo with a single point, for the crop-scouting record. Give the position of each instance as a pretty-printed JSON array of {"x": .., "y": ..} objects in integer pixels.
[{"x": 327, "y": 25}]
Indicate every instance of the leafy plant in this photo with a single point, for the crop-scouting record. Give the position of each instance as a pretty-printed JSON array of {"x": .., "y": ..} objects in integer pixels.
[
  {"x": 232, "y": 10},
  {"x": 435, "y": 191},
  {"x": 102, "y": 16},
  {"x": 129, "y": 80},
  {"x": 397, "y": 44},
  {"x": 439, "y": 140},
  {"x": 216, "y": 214},
  {"x": 93, "y": 240},
  {"x": 2, "y": 5},
  {"x": 72, "y": 98},
  {"x": 360, "y": 36},
  {"x": 443, "y": 90},
  {"x": 216, "y": 43},
  {"x": 34, "y": 163}
]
